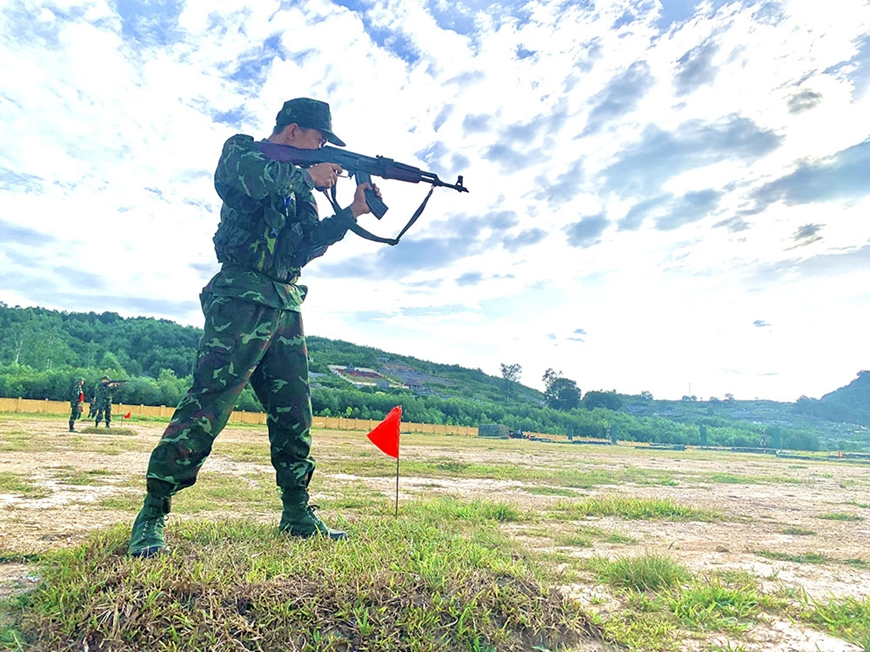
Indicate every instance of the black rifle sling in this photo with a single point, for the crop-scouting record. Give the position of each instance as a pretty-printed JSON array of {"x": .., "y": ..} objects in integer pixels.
[{"x": 368, "y": 235}]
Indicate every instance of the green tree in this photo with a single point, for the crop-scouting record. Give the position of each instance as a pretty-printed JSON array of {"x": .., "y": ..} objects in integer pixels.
[
  {"x": 609, "y": 400},
  {"x": 510, "y": 373},
  {"x": 560, "y": 393},
  {"x": 111, "y": 366}
]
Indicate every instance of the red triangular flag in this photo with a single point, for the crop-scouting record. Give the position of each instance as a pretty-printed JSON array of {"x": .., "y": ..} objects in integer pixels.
[
  {"x": 386, "y": 434},
  {"x": 127, "y": 416}
]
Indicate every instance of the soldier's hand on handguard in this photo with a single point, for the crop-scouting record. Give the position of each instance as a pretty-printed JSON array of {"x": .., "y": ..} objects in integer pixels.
[
  {"x": 359, "y": 205},
  {"x": 324, "y": 175}
]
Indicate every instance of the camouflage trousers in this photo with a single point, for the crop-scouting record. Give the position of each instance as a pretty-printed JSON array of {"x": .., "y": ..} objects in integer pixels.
[
  {"x": 242, "y": 342},
  {"x": 103, "y": 410}
]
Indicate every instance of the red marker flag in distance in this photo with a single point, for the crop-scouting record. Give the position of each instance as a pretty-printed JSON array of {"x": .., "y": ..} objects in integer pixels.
[
  {"x": 127, "y": 416},
  {"x": 386, "y": 434}
]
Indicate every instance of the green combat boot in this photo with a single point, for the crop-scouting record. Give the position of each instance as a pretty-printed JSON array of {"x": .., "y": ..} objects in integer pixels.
[
  {"x": 146, "y": 540},
  {"x": 299, "y": 520}
]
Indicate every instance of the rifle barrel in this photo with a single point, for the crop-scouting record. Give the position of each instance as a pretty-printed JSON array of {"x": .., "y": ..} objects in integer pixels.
[{"x": 378, "y": 166}]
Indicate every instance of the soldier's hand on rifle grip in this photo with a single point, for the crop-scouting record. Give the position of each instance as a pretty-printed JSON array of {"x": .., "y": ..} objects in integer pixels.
[
  {"x": 324, "y": 175},
  {"x": 359, "y": 205}
]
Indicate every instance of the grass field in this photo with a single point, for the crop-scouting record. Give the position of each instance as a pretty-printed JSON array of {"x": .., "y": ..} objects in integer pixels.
[{"x": 498, "y": 545}]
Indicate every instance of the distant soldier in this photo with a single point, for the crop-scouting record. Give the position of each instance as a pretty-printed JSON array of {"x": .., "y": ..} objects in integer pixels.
[
  {"x": 103, "y": 400},
  {"x": 92, "y": 403},
  {"x": 76, "y": 401}
]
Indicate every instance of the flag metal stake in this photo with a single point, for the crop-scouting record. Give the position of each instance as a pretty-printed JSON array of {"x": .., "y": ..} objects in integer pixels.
[{"x": 397, "y": 486}]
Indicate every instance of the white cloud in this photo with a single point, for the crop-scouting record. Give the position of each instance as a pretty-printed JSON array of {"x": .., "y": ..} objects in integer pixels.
[{"x": 557, "y": 115}]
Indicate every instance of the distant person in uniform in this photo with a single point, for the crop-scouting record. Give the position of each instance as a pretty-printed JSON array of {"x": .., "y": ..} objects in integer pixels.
[
  {"x": 103, "y": 400},
  {"x": 269, "y": 230},
  {"x": 76, "y": 402},
  {"x": 92, "y": 404}
]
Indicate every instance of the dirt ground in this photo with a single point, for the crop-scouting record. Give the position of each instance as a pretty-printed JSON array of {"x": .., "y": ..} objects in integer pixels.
[{"x": 778, "y": 496}]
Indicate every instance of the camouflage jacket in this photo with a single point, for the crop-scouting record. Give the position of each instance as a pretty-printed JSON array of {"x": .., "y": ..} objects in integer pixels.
[
  {"x": 103, "y": 395},
  {"x": 76, "y": 395},
  {"x": 269, "y": 228}
]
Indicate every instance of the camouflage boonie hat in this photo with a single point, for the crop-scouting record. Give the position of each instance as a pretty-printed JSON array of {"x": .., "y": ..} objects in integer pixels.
[
  {"x": 308, "y": 114},
  {"x": 80, "y": 379}
]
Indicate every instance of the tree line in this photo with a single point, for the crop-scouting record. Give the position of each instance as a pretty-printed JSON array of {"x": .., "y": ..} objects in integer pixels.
[{"x": 42, "y": 352}]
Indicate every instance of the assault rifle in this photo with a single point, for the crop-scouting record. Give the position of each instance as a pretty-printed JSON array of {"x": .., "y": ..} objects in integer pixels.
[
  {"x": 363, "y": 168},
  {"x": 117, "y": 382}
]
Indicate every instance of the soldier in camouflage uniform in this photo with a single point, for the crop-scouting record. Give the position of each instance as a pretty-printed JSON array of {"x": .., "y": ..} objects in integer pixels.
[
  {"x": 92, "y": 405},
  {"x": 76, "y": 399},
  {"x": 269, "y": 230},
  {"x": 103, "y": 401}
]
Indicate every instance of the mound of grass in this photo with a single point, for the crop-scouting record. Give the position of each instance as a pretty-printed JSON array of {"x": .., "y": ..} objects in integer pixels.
[
  {"x": 838, "y": 516},
  {"x": 847, "y": 618},
  {"x": 663, "y": 601},
  {"x": 641, "y": 573},
  {"x": 799, "y": 532},
  {"x": 412, "y": 583},
  {"x": 717, "y": 606},
  {"x": 108, "y": 431},
  {"x": 798, "y": 558},
  {"x": 451, "y": 509},
  {"x": 15, "y": 483},
  {"x": 635, "y": 509}
]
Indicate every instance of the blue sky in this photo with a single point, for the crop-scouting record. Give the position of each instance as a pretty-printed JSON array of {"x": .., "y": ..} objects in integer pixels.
[{"x": 669, "y": 196}]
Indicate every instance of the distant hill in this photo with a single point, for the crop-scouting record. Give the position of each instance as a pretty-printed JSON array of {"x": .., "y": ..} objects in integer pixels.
[
  {"x": 849, "y": 404},
  {"x": 421, "y": 376},
  {"x": 50, "y": 339},
  {"x": 141, "y": 346}
]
